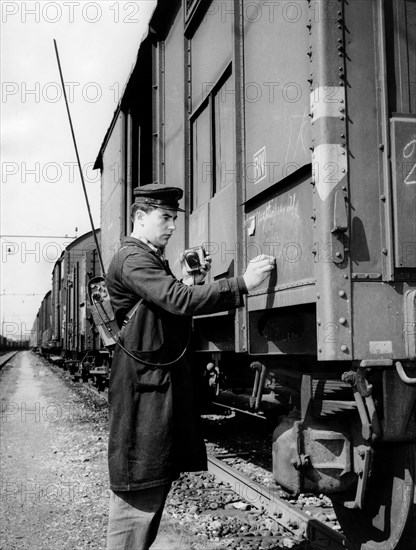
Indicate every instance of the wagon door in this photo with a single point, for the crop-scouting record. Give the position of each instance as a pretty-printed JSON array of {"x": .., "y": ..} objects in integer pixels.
[
  {"x": 213, "y": 175},
  {"x": 212, "y": 138}
]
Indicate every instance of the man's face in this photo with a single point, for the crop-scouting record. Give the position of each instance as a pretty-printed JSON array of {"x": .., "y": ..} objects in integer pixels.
[{"x": 157, "y": 226}]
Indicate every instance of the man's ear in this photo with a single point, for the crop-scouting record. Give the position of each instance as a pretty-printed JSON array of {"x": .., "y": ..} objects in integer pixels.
[{"x": 139, "y": 216}]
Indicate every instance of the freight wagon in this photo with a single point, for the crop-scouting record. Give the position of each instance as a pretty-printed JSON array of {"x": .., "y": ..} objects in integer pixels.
[
  {"x": 64, "y": 324},
  {"x": 291, "y": 127}
]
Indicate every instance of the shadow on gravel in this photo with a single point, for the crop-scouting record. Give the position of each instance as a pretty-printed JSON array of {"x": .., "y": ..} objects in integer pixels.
[{"x": 241, "y": 434}]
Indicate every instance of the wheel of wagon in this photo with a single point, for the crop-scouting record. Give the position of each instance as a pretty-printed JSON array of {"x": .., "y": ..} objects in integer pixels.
[{"x": 388, "y": 518}]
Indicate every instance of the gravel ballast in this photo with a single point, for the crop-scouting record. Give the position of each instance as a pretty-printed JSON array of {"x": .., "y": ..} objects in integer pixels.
[{"x": 54, "y": 481}]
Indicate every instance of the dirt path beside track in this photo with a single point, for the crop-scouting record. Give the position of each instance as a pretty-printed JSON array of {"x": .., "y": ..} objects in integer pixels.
[{"x": 53, "y": 467}]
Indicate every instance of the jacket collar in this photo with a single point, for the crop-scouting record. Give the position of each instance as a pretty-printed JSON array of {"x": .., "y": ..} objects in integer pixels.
[{"x": 144, "y": 245}]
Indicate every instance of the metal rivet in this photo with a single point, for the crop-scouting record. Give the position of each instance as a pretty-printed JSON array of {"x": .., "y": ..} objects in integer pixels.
[
  {"x": 341, "y": 293},
  {"x": 342, "y": 320},
  {"x": 318, "y": 295},
  {"x": 344, "y": 347}
]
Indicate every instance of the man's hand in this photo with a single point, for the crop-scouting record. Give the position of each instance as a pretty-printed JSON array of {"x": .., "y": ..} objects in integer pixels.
[
  {"x": 258, "y": 270},
  {"x": 195, "y": 277}
]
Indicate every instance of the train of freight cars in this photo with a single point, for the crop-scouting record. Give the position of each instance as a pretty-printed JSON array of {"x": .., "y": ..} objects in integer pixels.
[
  {"x": 291, "y": 128},
  {"x": 64, "y": 330},
  {"x": 8, "y": 344}
]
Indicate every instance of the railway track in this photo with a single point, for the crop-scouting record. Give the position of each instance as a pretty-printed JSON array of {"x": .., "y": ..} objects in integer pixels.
[
  {"x": 6, "y": 358},
  {"x": 298, "y": 523}
]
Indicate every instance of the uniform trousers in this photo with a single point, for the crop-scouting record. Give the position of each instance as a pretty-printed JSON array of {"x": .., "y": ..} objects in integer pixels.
[{"x": 134, "y": 517}]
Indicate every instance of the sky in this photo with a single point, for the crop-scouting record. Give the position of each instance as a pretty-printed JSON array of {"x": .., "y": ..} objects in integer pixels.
[{"x": 42, "y": 205}]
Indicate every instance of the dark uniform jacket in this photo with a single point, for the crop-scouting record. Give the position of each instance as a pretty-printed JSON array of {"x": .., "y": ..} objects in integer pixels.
[{"x": 154, "y": 425}]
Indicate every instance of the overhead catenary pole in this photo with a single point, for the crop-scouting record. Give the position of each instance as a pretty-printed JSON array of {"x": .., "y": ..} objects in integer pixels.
[{"x": 78, "y": 160}]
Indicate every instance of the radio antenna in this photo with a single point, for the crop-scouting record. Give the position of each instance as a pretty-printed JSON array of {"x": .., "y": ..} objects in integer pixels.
[{"x": 79, "y": 162}]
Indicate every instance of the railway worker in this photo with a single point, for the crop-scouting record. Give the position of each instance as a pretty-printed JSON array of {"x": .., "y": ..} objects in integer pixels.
[{"x": 154, "y": 423}]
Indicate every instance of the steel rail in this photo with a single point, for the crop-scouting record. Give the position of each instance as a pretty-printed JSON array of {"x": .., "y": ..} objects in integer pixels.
[
  {"x": 299, "y": 524},
  {"x": 6, "y": 358},
  {"x": 236, "y": 409},
  {"x": 288, "y": 516}
]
